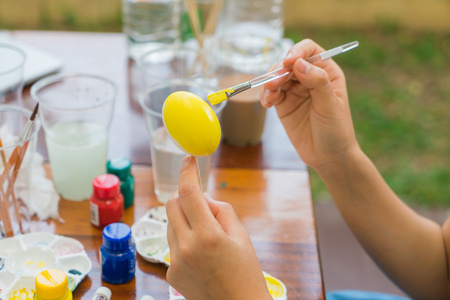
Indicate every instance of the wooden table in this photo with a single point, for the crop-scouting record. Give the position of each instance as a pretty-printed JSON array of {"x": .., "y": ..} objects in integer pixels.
[{"x": 267, "y": 184}]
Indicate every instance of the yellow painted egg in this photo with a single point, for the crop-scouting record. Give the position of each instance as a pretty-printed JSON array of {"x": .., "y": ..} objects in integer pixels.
[{"x": 191, "y": 123}]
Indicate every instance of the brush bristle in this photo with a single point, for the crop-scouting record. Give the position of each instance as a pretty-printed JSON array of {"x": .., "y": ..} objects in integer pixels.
[
  {"x": 35, "y": 110},
  {"x": 217, "y": 97}
]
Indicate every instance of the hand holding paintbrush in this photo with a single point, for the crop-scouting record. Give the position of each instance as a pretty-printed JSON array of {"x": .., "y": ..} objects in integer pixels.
[{"x": 225, "y": 94}]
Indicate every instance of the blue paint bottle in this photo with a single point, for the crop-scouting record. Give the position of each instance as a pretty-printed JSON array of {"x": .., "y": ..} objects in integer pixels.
[{"x": 117, "y": 254}]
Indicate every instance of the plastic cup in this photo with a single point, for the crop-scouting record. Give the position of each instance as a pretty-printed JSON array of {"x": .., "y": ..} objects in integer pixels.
[
  {"x": 175, "y": 62},
  {"x": 76, "y": 111},
  {"x": 166, "y": 157},
  {"x": 12, "y": 60},
  {"x": 15, "y": 185}
]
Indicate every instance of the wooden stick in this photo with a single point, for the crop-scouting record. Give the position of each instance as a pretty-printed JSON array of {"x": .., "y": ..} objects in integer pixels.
[
  {"x": 2, "y": 153},
  {"x": 4, "y": 214},
  {"x": 12, "y": 180},
  {"x": 210, "y": 25},
  {"x": 9, "y": 164},
  {"x": 198, "y": 174},
  {"x": 4, "y": 207},
  {"x": 191, "y": 6},
  {"x": 211, "y": 22},
  {"x": 13, "y": 194}
]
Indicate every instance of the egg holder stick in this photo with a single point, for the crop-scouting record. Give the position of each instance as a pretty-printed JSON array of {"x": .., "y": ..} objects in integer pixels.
[
  {"x": 225, "y": 94},
  {"x": 14, "y": 162},
  {"x": 198, "y": 174}
]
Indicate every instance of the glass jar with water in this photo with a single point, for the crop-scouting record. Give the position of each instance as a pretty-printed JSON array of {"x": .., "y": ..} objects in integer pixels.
[
  {"x": 149, "y": 24},
  {"x": 260, "y": 17}
]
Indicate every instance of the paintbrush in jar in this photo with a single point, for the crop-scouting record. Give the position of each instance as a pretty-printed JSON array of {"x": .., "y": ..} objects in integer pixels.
[
  {"x": 4, "y": 208},
  {"x": 24, "y": 136}
]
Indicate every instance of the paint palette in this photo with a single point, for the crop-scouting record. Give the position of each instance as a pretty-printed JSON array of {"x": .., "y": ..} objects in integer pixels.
[
  {"x": 277, "y": 289},
  {"x": 150, "y": 236},
  {"x": 24, "y": 256}
]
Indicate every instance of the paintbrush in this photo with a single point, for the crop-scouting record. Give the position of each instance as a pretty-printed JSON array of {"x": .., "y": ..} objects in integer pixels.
[
  {"x": 15, "y": 155},
  {"x": 225, "y": 94},
  {"x": 4, "y": 208}
]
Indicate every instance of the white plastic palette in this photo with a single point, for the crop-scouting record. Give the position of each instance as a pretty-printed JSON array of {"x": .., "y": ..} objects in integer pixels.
[
  {"x": 24, "y": 256},
  {"x": 150, "y": 236}
]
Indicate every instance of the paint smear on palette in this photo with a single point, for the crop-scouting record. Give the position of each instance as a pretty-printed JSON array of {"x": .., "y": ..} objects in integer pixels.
[
  {"x": 275, "y": 286},
  {"x": 175, "y": 292},
  {"x": 22, "y": 294},
  {"x": 68, "y": 248},
  {"x": 40, "y": 264},
  {"x": 71, "y": 283},
  {"x": 75, "y": 272},
  {"x": 167, "y": 257},
  {"x": 2, "y": 263}
]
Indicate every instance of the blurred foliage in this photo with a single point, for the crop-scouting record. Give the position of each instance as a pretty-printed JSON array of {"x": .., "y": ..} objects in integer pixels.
[{"x": 399, "y": 91}]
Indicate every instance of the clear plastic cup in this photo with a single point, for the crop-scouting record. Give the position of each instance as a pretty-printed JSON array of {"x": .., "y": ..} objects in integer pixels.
[
  {"x": 166, "y": 157},
  {"x": 76, "y": 111},
  {"x": 12, "y": 60},
  {"x": 15, "y": 185}
]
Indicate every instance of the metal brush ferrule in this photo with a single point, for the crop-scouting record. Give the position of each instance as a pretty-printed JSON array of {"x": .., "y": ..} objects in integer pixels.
[{"x": 239, "y": 89}]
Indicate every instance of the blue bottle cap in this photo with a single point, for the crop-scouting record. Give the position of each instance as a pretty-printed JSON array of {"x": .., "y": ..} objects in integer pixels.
[{"x": 117, "y": 236}]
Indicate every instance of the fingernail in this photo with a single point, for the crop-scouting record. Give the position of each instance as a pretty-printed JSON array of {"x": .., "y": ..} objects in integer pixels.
[
  {"x": 186, "y": 159},
  {"x": 289, "y": 55},
  {"x": 303, "y": 67}
]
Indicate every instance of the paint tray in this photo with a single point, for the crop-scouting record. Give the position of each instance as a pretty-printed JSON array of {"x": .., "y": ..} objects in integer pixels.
[{"x": 24, "y": 256}]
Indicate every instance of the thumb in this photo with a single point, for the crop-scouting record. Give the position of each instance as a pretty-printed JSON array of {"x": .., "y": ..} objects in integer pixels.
[{"x": 317, "y": 81}]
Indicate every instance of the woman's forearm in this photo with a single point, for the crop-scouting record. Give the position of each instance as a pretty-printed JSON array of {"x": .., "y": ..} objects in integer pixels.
[{"x": 408, "y": 247}]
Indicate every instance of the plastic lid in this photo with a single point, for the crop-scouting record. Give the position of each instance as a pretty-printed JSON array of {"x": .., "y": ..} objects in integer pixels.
[
  {"x": 117, "y": 236},
  {"x": 106, "y": 186},
  {"x": 51, "y": 284},
  {"x": 121, "y": 167},
  {"x": 103, "y": 290}
]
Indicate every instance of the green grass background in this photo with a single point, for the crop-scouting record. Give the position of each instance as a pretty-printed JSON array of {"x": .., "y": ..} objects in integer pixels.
[{"x": 399, "y": 91}]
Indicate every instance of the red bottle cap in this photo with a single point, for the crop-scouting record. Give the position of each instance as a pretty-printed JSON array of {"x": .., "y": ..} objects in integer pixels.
[{"x": 106, "y": 186}]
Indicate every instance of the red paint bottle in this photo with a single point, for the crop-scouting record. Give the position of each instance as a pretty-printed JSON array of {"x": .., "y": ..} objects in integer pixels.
[{"x": 106, "y": 201}]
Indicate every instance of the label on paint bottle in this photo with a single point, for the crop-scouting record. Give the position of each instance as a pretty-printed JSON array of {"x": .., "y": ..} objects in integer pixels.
[{"x": 95, "y": 219}]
